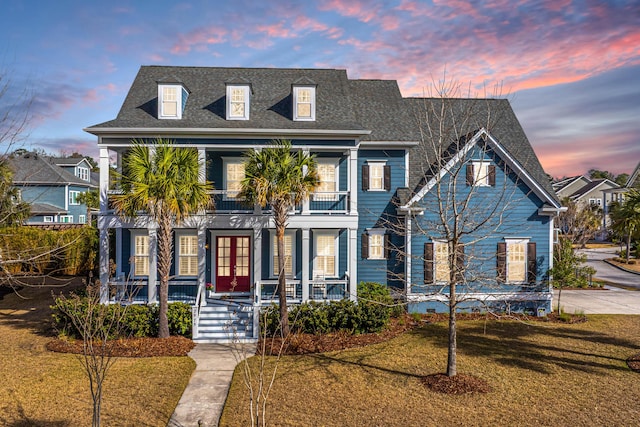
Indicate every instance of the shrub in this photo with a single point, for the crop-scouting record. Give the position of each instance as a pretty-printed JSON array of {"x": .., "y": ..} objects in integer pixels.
[
  {"x": 137, "y": 321},
  {"x": 345, "y": 315},
  {"x": 311, "y": 317},
  {"x": 376, "y": 306}
]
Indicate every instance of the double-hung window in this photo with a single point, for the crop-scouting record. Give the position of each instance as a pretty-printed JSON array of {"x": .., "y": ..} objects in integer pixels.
[
  {"x": 188, "y": 255},
  {"x": 83, "y": 173},
  {"x": 328, "y": 175},
  {"x": 516, "y": 261},
  {"x": 234, "y": 174},
  {"x": 289, "y": 242},
  {"x": 441, "y": 261},
  {"x": 238, "y": 102},
  {"x": 376, "y": 176},
  {"x": 481, "y": 173},
  {"x": 325, "y": 257},
  {"x": 375, "y": 244},
  {"x": 172, "y": 99},
  {"x": 140, "y": 255},
  {"x": 304, "y": 103}
]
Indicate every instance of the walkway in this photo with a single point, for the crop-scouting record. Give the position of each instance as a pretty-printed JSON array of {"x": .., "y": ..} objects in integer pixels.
[{"x": 202, "y": 401}]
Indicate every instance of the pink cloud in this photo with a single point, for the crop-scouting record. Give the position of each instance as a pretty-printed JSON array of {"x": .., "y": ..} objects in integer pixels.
[
  {"x": 200, "y": 36},
  {"x": 363, "y": 11}
]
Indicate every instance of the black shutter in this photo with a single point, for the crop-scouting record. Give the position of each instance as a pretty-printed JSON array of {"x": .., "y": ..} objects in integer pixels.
[
  {"x": 365, "y": 246},
  {"x": 501, "y": 262},
  {"x": 428, "y": 262},
  {"x": 386, "y": 246},
  {"x": 365, "y": 177},
  {"x": 459, "y": 263},
  {"x": 470, "y": 175},
  {"x": 532, "y": 267},
  {"x": 387, "y": 177},
  {"x": 492, "y": 175}
]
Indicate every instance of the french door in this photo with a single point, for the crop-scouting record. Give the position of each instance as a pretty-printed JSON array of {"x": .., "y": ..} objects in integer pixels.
[{"x": 232, "y": 264}]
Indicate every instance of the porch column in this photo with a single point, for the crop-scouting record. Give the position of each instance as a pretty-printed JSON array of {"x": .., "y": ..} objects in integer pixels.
[
  {"x": 352, "y": 253},
  {"x": 353, "y": 181},
  {"x": 407, "y": 258},
  {"x": 305, "y": 264},
  {"x": 104, "y": 264},
  {"x": 257, "y": 261},
  {"x": 202, "y": 261},
  {"x": 104, "y": 180},
  {"x": 152, "y": 294},
  {"x": 305, "y": 202},
  {"x": 202, "y": 161}
]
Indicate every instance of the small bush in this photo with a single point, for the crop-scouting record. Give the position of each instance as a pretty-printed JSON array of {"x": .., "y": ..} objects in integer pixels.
[
  {"x": 311, "y": 318},
  {"x": 179, "y": 314},
  {"x": 345, "y": 315}
]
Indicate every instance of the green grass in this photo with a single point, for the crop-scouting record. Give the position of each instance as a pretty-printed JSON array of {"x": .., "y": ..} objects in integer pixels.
[
  {"x": 42, "y": 388},
  {"x": 541, "y": 374}
]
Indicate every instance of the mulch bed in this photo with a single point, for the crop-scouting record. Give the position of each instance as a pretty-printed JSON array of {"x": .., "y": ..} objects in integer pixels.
[
  {"x": 131, "y": 347},
  {"x": 458, "y": 384},
  {"x": 634, "y": 363}
]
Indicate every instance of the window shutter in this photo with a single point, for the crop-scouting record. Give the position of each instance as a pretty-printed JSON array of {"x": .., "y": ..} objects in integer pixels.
[
  {"x": 459, "y": 263},
  {"x": 387, "y": 177},
  {"x": 386, "y": 246},
  {"x": 532, "y": 267},
  {"x": 492, "y": 175},
  {"x": 469, "y": 175},
  {"x": 428, "y": 262},
  {"x": 365, "y": 177},
  {"x": 365, "y": 246},
  {"x": 501, "y": 259}
]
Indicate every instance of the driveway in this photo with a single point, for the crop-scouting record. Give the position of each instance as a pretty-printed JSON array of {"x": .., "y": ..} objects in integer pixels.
[{"x": 611, "y": 300}]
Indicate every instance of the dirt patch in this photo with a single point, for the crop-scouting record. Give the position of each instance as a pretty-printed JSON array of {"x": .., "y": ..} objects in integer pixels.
[
  {"x": 458, "y": 384},
  {"x": 132, "y": 347},
  {"x": 634, "y": 363}
]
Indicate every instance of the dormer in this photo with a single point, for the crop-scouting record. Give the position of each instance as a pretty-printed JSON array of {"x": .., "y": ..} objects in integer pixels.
[
  {"x": 238, "y": 99},
  {"x": 172, "y": 98},
  {"x": 304, "y": 100}
]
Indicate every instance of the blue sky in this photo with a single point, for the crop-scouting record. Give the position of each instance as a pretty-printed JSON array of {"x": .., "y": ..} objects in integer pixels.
[{"x": 570, "y": 68}]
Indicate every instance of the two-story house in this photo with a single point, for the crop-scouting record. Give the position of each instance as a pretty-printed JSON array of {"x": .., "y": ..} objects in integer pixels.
[
  {"x": 51, "y": 186},
  {"x": 360, "y": 225}
]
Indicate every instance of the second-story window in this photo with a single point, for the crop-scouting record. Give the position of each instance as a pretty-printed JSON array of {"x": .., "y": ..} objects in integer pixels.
[
  {"x": 328, "y": 175},
  {"x": 73, "y": 197},
  {"x": 238, "y": 102},
  {"x": 376, "y": 176},
  {"x": 233, "y": 176},
  {"x": 481, "y": 173},
  {"x": 171, "y": 101},
  {"x": 83, "y": 173}
]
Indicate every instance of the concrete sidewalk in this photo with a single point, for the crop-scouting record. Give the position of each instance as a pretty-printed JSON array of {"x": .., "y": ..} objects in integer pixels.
[{"x": 202, "y": 401}]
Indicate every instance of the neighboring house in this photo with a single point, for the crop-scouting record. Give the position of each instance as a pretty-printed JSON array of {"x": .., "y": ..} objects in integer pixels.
[
  {"x": 585, "y": 191},
  {"x": 360, "y": 224},
  {"x": 51, "y": 185}
]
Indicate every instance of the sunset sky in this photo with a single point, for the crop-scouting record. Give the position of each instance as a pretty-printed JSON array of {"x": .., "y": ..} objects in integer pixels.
[{"x": 570, "y": 68}]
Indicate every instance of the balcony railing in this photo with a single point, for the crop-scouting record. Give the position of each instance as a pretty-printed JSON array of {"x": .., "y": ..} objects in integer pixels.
[
  {"x": 319, "y": 290},
  {"x": 329, "y": 202}
]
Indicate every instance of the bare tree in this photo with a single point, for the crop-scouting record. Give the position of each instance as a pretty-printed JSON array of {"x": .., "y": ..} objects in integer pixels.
[
  {"x": 578, "y": 223},
  {"x": 462, "y": 203},
  {"x": 96, "y": 323}
]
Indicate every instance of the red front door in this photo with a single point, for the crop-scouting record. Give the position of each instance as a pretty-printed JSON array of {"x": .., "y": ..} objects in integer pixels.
[{"x": 232, "y": 264}]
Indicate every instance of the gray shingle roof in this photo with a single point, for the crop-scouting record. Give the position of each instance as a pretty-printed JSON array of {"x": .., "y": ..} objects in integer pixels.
[
  {"x": 451, "y": 120},
  {"x": 31, "y": 168}
]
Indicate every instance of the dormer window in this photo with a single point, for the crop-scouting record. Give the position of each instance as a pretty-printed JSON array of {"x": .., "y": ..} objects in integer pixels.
[
  {"x": 171, "y": 101},
  {"x": 238, "y": 102},
  {"x": 304, "y": 103}
]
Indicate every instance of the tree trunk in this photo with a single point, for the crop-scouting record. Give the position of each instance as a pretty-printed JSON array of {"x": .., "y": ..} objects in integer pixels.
[
  {"x": 559, "y": 295},
  {"x": 280, "y": 220},
  {"x": 164, "y": 268},
  {"x": 628, "y": 246},
  {"x": 452, "y": 368}
]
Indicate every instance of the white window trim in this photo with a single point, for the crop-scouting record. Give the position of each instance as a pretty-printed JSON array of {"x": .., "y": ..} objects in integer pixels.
[
  {"x": 330, "y": 197},
  {"x": 178, "y": 114},
  {"x": 63, "y": 218},
  {"x": 247, "y": 103},
  {"x": 226, "y": 161},
  {"x": 83, "y": 173},
  {"x": 272, "y": 254},
  {"x": 73, "y": 201},
  {"x": 82, "y": 219},
  {"x": 47, "y": 218},
  {"x": 336, "y": 261},
  {"x": 177, "y": 254},
  {"x": 312, "y": 116},
  {"x": 478, "y": 179},
  {"x": 132, "y": 263},
  {"x": 376, "y": 163},
  {"x": 509, "y": 243},
  {"x": 378, "y": 232}
]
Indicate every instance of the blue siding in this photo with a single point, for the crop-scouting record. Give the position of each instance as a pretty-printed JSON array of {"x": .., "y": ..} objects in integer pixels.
[
  {"x": 376, "y": 209},
  {"x": 513, "y": 210},
  {"x": 126, "y": 252}
]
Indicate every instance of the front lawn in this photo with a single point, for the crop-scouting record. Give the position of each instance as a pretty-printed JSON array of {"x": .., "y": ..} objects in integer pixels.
[
  {"x": 541, "y": 374},
  {"x": 42, "y": 388}
]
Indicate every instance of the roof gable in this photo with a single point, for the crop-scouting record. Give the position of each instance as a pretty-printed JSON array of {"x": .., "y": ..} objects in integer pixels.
[{"x": 32, "y": 169}]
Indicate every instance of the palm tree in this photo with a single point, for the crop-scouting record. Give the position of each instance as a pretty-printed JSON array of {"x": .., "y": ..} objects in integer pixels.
[
  {"x": 91, "y": 199},
  {"x": 625, "y": 217},
  {"x": 166, "y": 183},
  {"x": 275, "y": 176}
]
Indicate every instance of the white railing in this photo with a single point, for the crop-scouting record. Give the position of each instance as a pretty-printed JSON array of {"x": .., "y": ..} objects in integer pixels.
[
  {"x": 327, "y": 289},
  {"x": 195, "y": 313}
]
